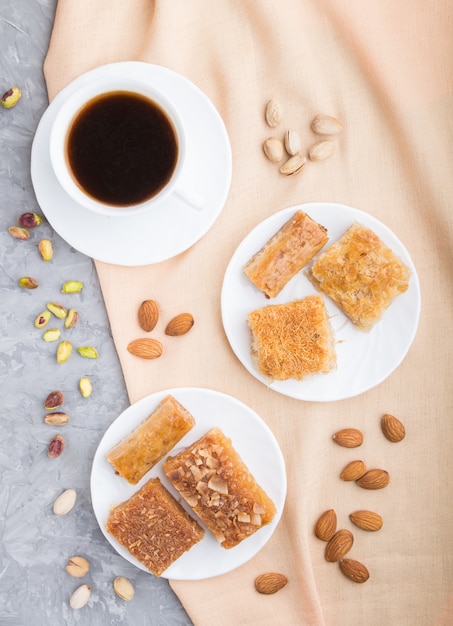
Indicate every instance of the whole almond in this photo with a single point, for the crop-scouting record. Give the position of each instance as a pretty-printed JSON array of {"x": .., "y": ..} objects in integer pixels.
[
  {"x": 148, "y": 315},
  {"x": 179, "y": 325},
  {"x": 270, "y": 583},
  {"x": 77, "y": 566},
  {"x": 273, "y": 149},
  {"x": 354, "y": 570},
  {"x": 145, "y": 348},
  {"x": 321, "y": 150},
  {"x": 392, "y": 428},
  {"x": 65, "y": 502},
  {"x": 353, "y": 470},
  {"x": 374, "y": 479},
  {"x": 366, "y": 520},
  {"x": 80, "y": 597},
  {"x": 273, "y": 113},
  {"x": 326, "y": 525},
  {"x": 326, "y": 125},
  {"x": 293, "y": 165},
  {"x": 339, "y": 545},
  {"x": 348, "y": 437}
]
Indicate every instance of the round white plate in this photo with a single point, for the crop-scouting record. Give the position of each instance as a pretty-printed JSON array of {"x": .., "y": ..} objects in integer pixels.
[
  {"x": 172, "y": 227},
  {"x": 364, "y": 359},
  {"x": 251, "y": 438}
]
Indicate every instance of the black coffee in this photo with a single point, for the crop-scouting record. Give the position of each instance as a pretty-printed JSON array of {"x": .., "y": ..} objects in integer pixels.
[{"x": 122, "y": 148}]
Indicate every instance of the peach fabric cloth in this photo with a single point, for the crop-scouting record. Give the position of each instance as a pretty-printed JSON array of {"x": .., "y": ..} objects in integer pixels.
[{"x": 385, "y": 69}]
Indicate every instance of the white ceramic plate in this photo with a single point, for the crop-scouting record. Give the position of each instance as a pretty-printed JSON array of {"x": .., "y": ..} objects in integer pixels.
[
  {"x": 250, "y": 436},
  {"x": 363, "y": 359},
  {"x": 173, "y": 227}
]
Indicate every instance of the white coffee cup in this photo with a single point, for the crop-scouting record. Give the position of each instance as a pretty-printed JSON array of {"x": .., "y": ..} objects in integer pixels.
[{"x": 63, "y": 123}]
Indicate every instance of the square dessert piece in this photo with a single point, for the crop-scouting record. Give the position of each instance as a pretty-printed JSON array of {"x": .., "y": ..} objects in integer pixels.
[
  {"x": 212, "y": 478},
  {"x": 286, "y": 253},
  {"x": 361, "y": 275},
  {"x": 292, "y": 340},
  {"x": 154, "y": 527},
  {"x": 147, "y": 444}
]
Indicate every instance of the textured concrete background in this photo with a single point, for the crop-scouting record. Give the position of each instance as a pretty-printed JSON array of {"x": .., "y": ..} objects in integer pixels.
[{"x": 35, "y": 544}]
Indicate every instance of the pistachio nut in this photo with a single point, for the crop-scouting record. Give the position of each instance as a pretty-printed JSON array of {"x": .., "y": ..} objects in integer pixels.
[
  {"x": 72, "y": 286},
  {"x": 88, "y": 352},
  {"x": 80, "y": 597},
  {"x": 64, "y": 351},
  {"x": 57, "y": 309},
  {"x": 71, "y": 319},
  {"x": 45, "y": 249},
  {"x": 29, "y": 220},
  {"x": 19, "y": 232},
  {"x": 54, "y": 400},
  {"x": 273, "y": 113},
  {"x": 321, "y": 150},
  {"x": 42, "y": 319},
  {"x": 65, "y": 502},
  {"x": 123, "y": 588},
  {"x": 293, "y": 142},
  {"x": 293, "y": 165},
  {"x": 52, "y": 334},
  {"x": 326, "y": 125},
  {"x": 77, "y": 566},
  {"x": 55, "y": 447},
  {"x": 10, "y": 98},
  {"x": 57, "y": 418},
  {"x": 27, "y": 282},
  {"x": 85, "y": 387},
  {"x": 273, "y": 149}
]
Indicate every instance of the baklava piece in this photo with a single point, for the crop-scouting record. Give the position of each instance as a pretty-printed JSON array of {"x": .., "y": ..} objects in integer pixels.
[
  {"x": 361, "y": 275},
  {"x": 154, "y": 527},
  {"x": 145, "y": 446},
  {"x": 215, "y": 482},
  {"x": 292, "y": 340},
  {"x": 286, "y": 253}
]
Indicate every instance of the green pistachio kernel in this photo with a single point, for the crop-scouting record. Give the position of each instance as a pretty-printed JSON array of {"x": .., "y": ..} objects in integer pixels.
[
  {"x": 42, "y": 319},
  {"x": 71, "y": 319},
  {"x": 10, "y": 98},
  {"x": 85, "y": 387},
  {"x": 64, "y": 351},
  {"x": 88, "y": 352},
  {"x": 52, "y": 334},
  {"x": 57, "y": 309},
  {"x": 27, "y": 282},
  {"x": 72, "y": 286},
  {"x": 29, "y": 220}
]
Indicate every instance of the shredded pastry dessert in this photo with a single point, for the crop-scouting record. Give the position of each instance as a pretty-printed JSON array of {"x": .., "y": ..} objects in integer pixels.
[
  {"x": 213, "y": 479},
  {"x": 154, "y": 527},
  {"x": 361, "y": 275},
  {"x": 145, "y": 446},
  {"x": 292, "y": 340},
  {"x": 286, "y": 253}
]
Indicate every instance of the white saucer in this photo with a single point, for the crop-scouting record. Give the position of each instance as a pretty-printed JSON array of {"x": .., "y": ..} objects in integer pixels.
[
  {"x": 251, "y": 438},
  {"x": 173, "y": 227},
  {"x": 364, "y": 359}
]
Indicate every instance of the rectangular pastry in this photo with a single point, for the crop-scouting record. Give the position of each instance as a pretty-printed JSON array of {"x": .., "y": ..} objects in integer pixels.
[
  {"x": 154, "y": 527},
  {"x": 212, "y": 478},
  {"x": 292, "y": 340},
  {"x": 361, "y": 275},
  {"x": 147, "y": 444},
  {"x": 286, "y": 253}
]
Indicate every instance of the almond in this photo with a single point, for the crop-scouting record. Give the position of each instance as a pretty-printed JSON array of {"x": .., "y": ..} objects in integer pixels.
[
  {"x": 270, "y": 583},
  {"x": 354, "y": 570},
  {"x": 339, "y": 545},
  {"x": 326, "y": 525},
  {"x": 145, "y": 348},
  {"x": 392, "y": 428},
  {"x": 374, "y": 479},
  {"x": 348, "y": 437},
  {"x": 353, "y": 470},
  {"x": 366, "y": 520},
  {"x": 179, "y": 325},
  {"x": 148, "y": 314}
]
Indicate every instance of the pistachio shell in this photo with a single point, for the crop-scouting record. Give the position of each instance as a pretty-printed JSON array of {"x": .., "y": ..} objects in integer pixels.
[{"x": 80, "y": 597}]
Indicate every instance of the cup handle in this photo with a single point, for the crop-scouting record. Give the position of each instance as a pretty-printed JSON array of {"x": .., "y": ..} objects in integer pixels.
[{"x": 193, "y": 200}]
